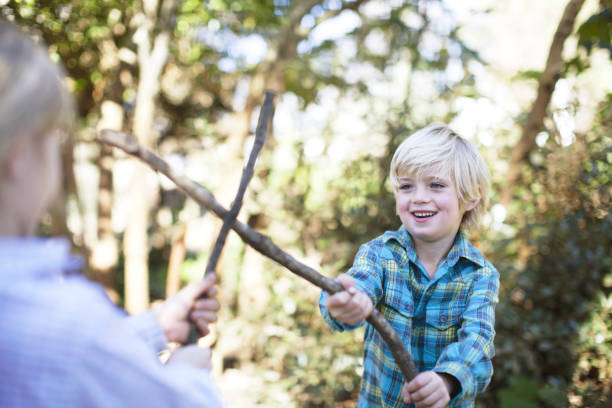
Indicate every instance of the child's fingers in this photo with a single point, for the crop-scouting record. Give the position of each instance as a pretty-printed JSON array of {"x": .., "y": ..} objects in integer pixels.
[
  {"x": 424, "y": 395},
  {"x": 207, "y": 304},
  {"x": 204, "y": 316},
  {"x": 357, "y": 311},
  {"x": 336, "y": 302},
  {"x": 212, "y": 292},
  {"x": 433, "y": 401},
  {"x": 427, "y": 390},
  {"x": 417, "y": 383},
  {"x": 195, "y": 289},
  {"x": 365, "y": 304},
  {"x": 350, "y": 306},
  {"x": 406, "y": 393},
  {"x": 345, "y": 312},
  {"x": 354, "y": 317},
  {"x": 427, "y": 399},
  {"x": 341, "y": 298},
  {"x": 347, "y": 282}
]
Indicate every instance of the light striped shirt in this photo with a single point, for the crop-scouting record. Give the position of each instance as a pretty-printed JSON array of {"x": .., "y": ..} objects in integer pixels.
[
  {"x": 446, "y": 322},
  {"x": 64, "y": 344}
]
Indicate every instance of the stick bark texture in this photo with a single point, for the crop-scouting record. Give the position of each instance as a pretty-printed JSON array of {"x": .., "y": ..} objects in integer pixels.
[
  {"x": 258, "y": 241},
  {"x": 247, "y": 174}
]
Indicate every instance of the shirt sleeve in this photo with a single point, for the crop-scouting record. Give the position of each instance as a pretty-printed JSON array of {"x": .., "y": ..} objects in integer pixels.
[
  {"x": 145, "y": 326},
  {"x": 118, "y": 368},
  {"x": 368, "y": 275},
  {"x": 469, "y": 359}
]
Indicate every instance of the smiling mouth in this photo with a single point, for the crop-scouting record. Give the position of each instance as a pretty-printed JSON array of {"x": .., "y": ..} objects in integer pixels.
[{"x": 423, "y": 214}]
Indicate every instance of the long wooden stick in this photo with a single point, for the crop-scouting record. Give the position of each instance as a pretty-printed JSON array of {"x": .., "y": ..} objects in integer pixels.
[
  {"x": 259, "y": 242},
  {"x": 260, "y": 137},
  {"x": 247, "y": 174}
]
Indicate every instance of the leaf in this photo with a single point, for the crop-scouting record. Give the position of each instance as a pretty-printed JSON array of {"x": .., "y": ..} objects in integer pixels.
[
  {"x": 597, "y": 32},
  {"x": 522, "y": 392},
  {"x": 553, "y": 397},
  {"x": 529, "y": 74}
]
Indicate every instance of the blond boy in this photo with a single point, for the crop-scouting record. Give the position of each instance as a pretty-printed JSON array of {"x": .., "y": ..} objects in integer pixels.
[{"x": 433, "y": 286}]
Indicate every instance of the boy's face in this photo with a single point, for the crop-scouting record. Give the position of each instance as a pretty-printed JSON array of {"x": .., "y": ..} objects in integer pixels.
[{"x": 429, "y": 207}]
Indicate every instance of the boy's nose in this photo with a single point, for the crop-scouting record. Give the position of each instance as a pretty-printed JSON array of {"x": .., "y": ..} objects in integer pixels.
[{"x": 420, "y": 195}]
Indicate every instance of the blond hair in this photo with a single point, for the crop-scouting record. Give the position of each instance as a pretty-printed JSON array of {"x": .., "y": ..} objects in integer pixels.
[
  {"x": 33, "y": 99},
  {"x": 438, "y": 148}
]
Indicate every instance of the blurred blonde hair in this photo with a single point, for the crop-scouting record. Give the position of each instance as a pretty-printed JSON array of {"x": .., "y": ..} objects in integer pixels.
[
  {"x": 438, "y": 148},
  {"x": 33, "y": 99}
]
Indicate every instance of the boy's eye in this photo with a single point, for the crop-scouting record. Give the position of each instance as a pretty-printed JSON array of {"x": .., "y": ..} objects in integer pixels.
[
  {"x": 405, "y": 186},
  {"x": 437, "y": 185}
]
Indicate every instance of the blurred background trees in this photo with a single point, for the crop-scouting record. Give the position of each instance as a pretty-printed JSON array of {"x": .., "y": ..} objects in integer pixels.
[{"x": 354, "y": 78}]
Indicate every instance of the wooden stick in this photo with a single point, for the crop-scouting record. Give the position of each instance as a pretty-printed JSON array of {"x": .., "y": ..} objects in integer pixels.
[
  {"x": 259, "y": 242},
  {"x": 260, "y": 137},
  {"x": 228, "y": 220}
]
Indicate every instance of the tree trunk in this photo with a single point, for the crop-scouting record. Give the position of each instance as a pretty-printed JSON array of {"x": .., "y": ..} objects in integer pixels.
[
  {"x": 546, "y": 86},
  {"x": 151, "y": 61},
  {"x": 177, "y": 257},
  {"x": 57, "y": 211},
  {"x": 135, "y": 244},
  {"x": 105, "y": 251}
]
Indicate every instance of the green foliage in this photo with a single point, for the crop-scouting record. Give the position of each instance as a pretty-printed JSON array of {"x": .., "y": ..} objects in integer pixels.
[
  {"x": 596, "y": 32},
  {"x": 522, "y": 392},
  {"x": 326, "y": 366},
  {"x": 529, "y": 74},
  {"x": 564, "y": 290}
]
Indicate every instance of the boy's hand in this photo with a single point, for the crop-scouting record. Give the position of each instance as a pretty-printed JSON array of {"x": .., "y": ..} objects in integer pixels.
[
  {"x": 428, "y": 390},
  {"x": 173, "y": 315},
  {"x": 192, "y": 355},
  {"x": 350, "y": 306}
]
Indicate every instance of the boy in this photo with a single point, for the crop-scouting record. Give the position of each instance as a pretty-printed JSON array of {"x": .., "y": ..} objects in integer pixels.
[
  {"x": 63, "y": 343},
  {"x": 433, "y": 286}
]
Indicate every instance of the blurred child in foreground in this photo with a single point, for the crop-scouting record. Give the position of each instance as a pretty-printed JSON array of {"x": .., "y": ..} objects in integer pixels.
[
  {"x": 437, "y": 291},
  {"x": 63, "y": 343}
]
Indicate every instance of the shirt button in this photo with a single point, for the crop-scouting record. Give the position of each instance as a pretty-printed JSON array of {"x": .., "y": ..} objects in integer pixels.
[{"x": 443, "y": 319}]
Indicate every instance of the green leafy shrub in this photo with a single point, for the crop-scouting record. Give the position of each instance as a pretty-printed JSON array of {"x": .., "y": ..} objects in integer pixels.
[{"x": 554, "y": 320}]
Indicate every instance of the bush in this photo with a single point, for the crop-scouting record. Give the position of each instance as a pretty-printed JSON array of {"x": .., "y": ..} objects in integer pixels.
[{"x": 554, "y": 326}]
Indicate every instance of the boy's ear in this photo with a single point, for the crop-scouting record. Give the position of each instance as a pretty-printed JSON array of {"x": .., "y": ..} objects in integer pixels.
[{"x": 470, "y": 205}]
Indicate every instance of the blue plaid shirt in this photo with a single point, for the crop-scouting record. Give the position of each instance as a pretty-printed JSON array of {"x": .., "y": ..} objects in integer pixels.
[{"x": 446, "y": 322}]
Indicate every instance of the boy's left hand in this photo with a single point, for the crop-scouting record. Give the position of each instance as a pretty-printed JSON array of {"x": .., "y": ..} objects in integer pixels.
[{"x": 427, "y": 390}]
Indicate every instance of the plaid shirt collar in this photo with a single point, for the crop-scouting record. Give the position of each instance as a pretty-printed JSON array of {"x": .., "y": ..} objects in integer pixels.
[{"x": 461, "y": 248}]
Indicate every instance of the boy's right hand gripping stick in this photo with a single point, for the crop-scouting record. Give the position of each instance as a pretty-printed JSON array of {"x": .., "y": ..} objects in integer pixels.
[{"x": 396, "y": 346}]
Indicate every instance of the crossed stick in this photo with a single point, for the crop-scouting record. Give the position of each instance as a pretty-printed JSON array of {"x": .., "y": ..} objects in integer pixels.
[
  {"x": 261, "y": 243},
  {"x": 229, "y": 218}
]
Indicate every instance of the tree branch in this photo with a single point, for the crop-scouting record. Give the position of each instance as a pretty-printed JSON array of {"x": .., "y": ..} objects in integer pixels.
[
  {"x": 300, "y": 9},
  {"x": 546, "y": 86},
  {"x": 260, "y": 242}
]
